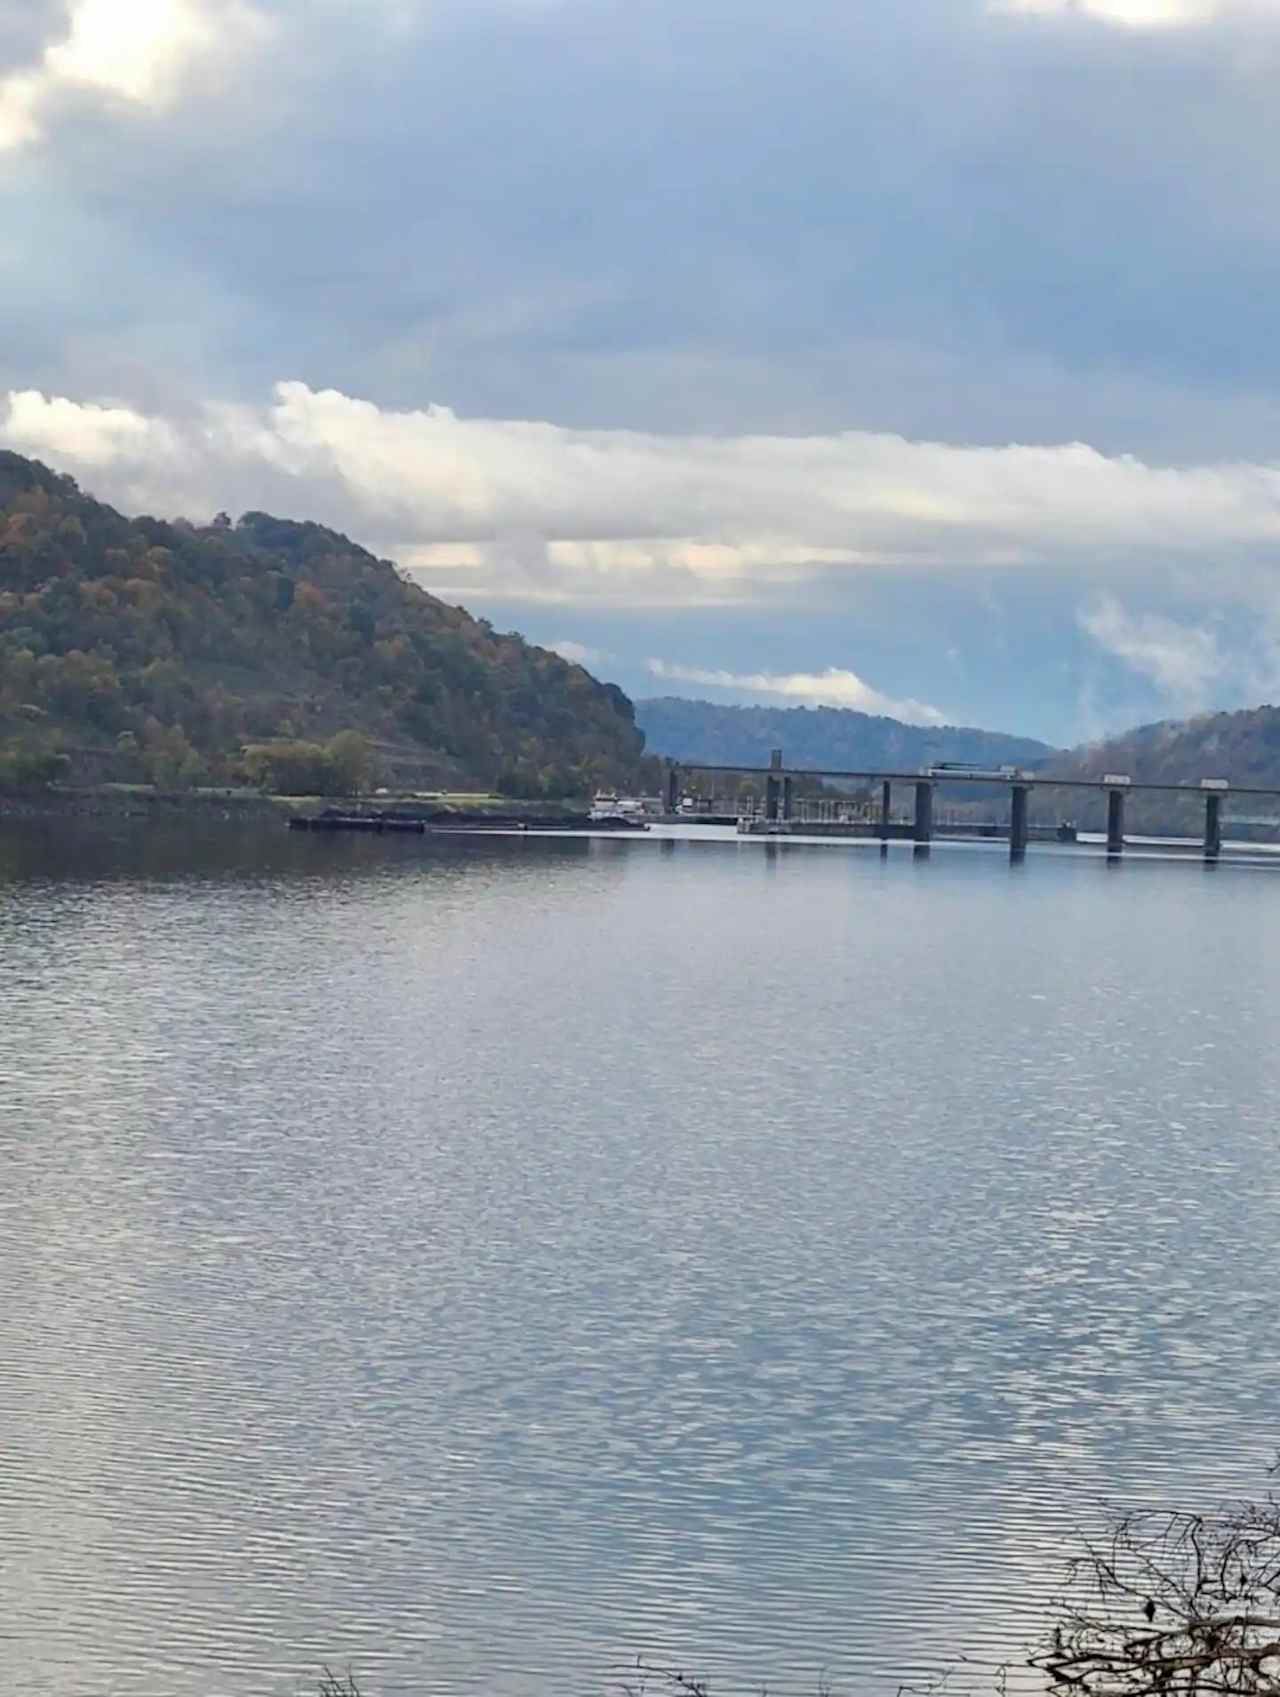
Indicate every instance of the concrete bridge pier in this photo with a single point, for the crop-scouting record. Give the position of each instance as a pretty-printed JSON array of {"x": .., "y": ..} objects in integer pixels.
[
  {"x": 786, "y": 798},
  {"x": 1018, "y": 822},
  {"x": 1115, "y": 821},
  {"x": 1212, "y": 826},
  {"x": 672, "y": 795},
  {"x": 886, "y": 797},
  {"x": 923, "y": 829},
  {"x": 775, "y": 788}
]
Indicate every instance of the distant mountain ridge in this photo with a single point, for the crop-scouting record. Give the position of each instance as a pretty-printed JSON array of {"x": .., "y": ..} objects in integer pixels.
[
  {"x": 1243, "y": 747},
  {"x": 835, "y": 738}
]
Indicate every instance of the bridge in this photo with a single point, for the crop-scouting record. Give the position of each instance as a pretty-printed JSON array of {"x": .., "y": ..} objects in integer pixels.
[{"x": 779, "y": 796}]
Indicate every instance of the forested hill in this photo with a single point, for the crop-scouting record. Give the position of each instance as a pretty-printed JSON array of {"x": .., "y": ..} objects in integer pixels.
[
  {"x": 1243, "y": 747},
  {"x": 834, "y": 738},
  {"x": 144, "y": 649}
]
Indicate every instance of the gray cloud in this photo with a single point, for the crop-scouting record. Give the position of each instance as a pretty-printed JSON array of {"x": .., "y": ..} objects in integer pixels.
[
  {"x": 698, "y": 217},
  {"x": 685, "y": 235},
  {"x": 127, "y": 59},
  {"x": 26, "y": 26}
]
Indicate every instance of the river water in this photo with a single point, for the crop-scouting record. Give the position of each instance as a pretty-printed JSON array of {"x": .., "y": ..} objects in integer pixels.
[{"x": 483, "y": 1261}]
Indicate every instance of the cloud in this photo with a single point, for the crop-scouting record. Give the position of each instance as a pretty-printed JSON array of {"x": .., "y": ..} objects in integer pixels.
[
  {"x": 801, "y": 369},
  {"x": 1132, "y": 14},
  {"x": 135, "y": 51},
  {"x": 1183, "y": 661},
  {"x": 578, "y": 653},
  {"x": 955, "y": 225},
  {"x": 84, "y": 434},
  {"x": 511, "y": 505},
  {"x": 834, "y": 687}
]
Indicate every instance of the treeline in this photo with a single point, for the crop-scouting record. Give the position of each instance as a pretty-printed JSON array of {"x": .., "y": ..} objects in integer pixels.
[
  {"x": 1243, "y": 747},
  {"x": 168, "y": 652}
]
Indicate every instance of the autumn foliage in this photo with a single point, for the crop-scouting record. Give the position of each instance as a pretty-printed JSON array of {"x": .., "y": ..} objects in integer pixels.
[{"x": 139, "y": 649}]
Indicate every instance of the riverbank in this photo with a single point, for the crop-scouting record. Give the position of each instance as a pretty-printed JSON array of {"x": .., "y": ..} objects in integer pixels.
[
  {"x": 247, "y": 806},
  {"x": 134, "y": 801}
]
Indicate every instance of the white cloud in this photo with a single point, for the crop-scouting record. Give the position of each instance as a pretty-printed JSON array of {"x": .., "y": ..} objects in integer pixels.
[
  {"x": 136, "y": 51},
  {"x": 1183, "y": 661},
  {"x": 84, "y": 434},
  {"x": 527, "y": 507},
  {"x": 578, "y": 653},
  {"x": 1130, "y": 14},
  {"x": 834, "y": 687}
]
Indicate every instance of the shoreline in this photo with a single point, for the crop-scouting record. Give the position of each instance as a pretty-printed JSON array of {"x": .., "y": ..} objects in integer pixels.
[{"x": 125, "y": 801}]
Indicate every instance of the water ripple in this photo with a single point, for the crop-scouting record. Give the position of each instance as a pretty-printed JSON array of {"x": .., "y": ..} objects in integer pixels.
[{"x": 482, "y": 1263}]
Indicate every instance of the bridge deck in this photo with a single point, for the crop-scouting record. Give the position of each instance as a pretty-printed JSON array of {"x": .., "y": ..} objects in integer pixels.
[{"x": 1030, "y": 779}]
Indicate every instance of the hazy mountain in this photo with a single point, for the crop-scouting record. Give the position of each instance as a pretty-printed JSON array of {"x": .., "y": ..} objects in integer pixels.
[
  {"x": 818, "y": 737},
  {"x": 1242, "y": 746}
]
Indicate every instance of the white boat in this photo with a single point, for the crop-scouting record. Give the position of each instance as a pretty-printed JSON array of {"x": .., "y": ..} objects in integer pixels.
[{"x": 607, "y": 804}]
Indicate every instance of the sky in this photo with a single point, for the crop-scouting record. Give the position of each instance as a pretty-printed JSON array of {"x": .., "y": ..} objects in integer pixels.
[{"x": 920, "y": 358}]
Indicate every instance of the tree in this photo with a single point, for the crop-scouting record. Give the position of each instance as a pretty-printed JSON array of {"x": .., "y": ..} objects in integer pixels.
[
  {"x": 350, "y": 757},
  {"x": 290, "y": 768},
  {"x": 171, "y": 762},
  {"x": 267, "y": 630},
  {"x": 521, "y": 783},
  {"x": 1173, "y": 1604},
  {"x": 25, "y": 768}
]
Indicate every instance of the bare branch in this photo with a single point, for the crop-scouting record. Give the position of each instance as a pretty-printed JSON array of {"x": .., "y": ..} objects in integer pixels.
[{"x": 1172, "y": 1605}]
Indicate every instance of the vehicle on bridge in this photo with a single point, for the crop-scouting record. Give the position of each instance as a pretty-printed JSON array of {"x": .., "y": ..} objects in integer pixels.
[{"x": 971, "y": 769}]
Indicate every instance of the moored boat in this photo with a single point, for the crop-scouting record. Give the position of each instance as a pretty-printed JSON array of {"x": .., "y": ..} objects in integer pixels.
[{"x": 607, "y": 807}]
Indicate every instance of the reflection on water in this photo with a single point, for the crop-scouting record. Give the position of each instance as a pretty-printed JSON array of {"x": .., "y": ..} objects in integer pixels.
[{"x": 484, "y": 1260}]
